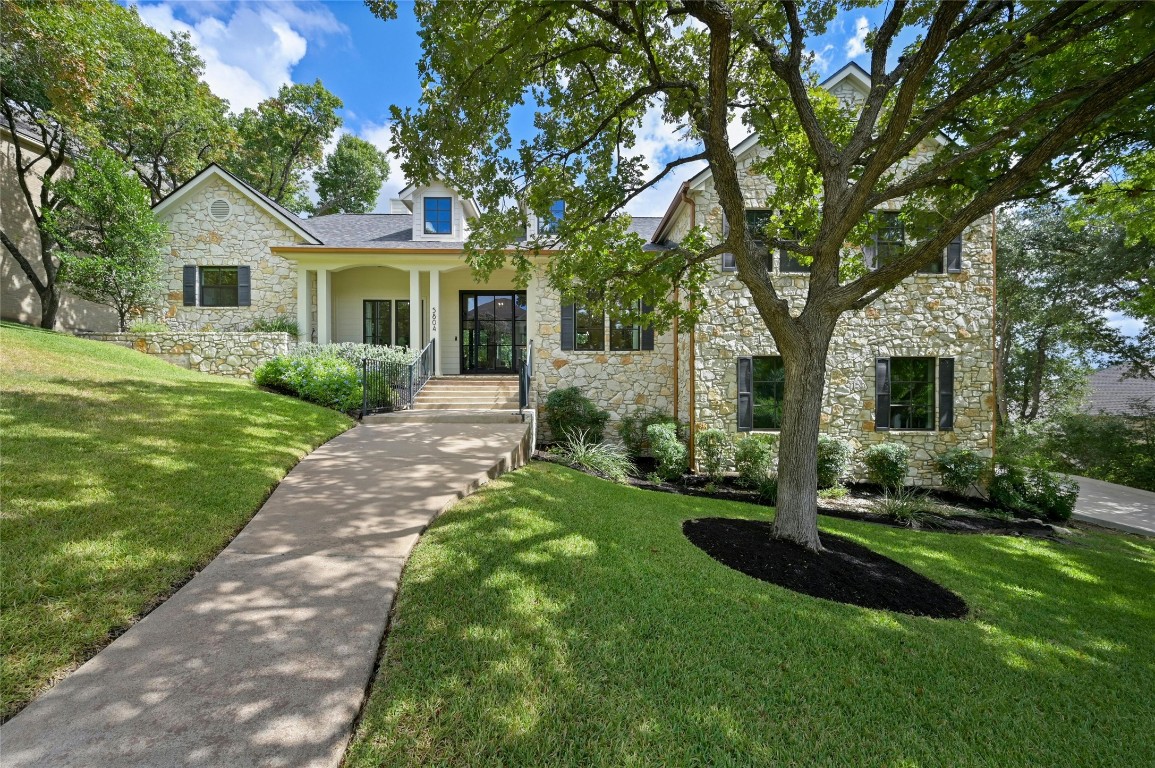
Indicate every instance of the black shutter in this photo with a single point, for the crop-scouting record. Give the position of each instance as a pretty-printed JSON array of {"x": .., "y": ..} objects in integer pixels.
[
  {"x": 567, "y": 326},
  {"x": 954, "y": 255},
  {"x": 745, "y": 394},
  {"x": 190, "y": 285},
  {"x": 244, "y": 287},
  {"x": 647, "y": 330},
  {"x": 728, "y": 263},
  {"x": 882, "y": 394},
  {"x": 946, "y": 394}
]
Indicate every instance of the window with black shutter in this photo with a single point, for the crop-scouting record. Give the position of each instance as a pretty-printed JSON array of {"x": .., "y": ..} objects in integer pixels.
[
  {"x": 625, "y": 337},
  {"x": 582, "y": 327},
  {"x": 889, "y": 238},
  {"x": 905, "y": 393},
  {"x": 190, "y": 285},
  {"x": 728, "y": 262},
  {"x": 954, "y": 255},
  {"x": 946, "y": 394},
  {"x": 220, "y": 286}
]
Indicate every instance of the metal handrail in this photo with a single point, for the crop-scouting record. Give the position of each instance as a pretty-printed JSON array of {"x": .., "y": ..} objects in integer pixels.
[
  {"x": 523, "y": 379},
  {"x": 391, "y": 387}
]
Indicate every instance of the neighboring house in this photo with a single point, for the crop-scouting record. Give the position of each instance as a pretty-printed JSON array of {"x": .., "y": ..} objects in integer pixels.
[
  {"x": 18, "y": 299},
  {"x": 1113, "y": 392}
]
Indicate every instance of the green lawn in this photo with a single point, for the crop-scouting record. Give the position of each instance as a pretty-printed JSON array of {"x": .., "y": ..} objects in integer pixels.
[
  {"x": 121, "y": 476},
  {"x": 557, "y": 619}
]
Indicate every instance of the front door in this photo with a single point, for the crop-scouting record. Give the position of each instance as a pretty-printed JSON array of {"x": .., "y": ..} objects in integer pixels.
[{"x": 493, "y": 332}]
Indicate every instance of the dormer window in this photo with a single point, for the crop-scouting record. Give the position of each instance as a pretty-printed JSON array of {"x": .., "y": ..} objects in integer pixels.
[
  {"x": 548, "y": 223},
  {"x": 438, "y": 216}
]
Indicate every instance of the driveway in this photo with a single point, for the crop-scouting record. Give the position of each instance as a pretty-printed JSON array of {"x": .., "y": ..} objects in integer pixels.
[
  {"x": 1116, "y": 506},
  {"x": 264, "y": 657}
]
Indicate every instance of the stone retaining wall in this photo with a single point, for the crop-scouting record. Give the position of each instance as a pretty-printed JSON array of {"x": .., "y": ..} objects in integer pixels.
[{"x": 226, "y": 354}]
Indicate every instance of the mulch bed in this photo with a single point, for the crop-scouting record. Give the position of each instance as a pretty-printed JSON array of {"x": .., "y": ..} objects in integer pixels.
[
  {"x": 966, "y": 514},
  {"x": 846, "y": 572}
]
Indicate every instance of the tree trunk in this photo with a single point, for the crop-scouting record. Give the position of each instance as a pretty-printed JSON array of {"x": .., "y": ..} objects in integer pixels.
[
  {"x": 49, "y": 305},
  {"x": 797, "y": 519}
]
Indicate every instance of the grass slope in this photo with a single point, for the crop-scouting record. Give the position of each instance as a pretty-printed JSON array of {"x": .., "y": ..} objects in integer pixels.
[
  {"x": 556, "y": 619},
  {"x": 121, "y": 476}
]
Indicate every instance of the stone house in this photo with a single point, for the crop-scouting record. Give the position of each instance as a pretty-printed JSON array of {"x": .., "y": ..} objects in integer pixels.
[{"x": 916, "y": 366}]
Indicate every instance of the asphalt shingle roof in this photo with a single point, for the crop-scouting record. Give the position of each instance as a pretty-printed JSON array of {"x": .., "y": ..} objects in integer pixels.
[
  {"x": 1112, "y": 394},
  {"x": 394, "y": 231}
]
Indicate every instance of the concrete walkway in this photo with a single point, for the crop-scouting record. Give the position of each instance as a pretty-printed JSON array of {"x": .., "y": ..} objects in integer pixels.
[
  {"x": 264, "y": 657},
  {"x": 1115, "y": 506}
]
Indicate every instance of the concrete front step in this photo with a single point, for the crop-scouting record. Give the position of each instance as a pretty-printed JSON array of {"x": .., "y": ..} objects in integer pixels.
[
  {"x": 448, "y": 416},
  {"x": 475, "y": 405},
  {"x": 468, "y": 393}
]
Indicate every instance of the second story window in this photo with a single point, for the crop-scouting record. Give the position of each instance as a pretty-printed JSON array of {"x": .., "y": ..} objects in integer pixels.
[
  {"x": 889, "y": 237},
  {"x": 438, "y": 216},
  {"x": 547, "y": 225}
]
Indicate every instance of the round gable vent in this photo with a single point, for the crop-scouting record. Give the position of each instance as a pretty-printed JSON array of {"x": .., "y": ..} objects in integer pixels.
[{"x": 220, "y": 209}]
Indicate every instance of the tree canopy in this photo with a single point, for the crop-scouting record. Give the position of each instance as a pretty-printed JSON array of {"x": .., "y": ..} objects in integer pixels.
[
  {"x": 110, "y": 241},
  {"x": 1031, "y": 96},
  {"x": 283, "y": 139},
  {"x": 351, "y": 178}
]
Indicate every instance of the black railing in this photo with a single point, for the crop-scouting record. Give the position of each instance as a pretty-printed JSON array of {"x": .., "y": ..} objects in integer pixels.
[
  {"x": 524, "y": 376},
  {"x": 394, "y": 386}
]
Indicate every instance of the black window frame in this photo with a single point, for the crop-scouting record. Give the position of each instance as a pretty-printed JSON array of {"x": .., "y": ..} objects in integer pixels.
[
  {"x": 900, "y": 405},
  {"x": 434, "y": 217},
  {"x": 774, "y": 384},
  {"x": 594, "y": 327},
  {"x": 374, "y": 319},
  {"x": 886, "y": 245},
  {"x": 548, "y": 224},
  {"x": 641, "y": 337},
  {"x": 205, "y": 289}
]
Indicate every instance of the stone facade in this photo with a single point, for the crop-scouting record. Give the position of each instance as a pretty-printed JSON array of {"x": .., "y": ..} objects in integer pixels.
[
  {"x": 244, "y": 237},
  {"x": 941, "y": 315},
  {"x": 619, "y": 382},
  {"x": 227, "y": 354}
]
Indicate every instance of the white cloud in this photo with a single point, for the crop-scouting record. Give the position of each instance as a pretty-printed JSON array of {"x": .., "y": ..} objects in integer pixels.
[
  {"x": 249, "y": 49},
  {"x": 378, "y": 135},
  {"x": 856, "y": 46},
  {"x": 1126, "y": 324},
  {"x": 822, "y": 59}
]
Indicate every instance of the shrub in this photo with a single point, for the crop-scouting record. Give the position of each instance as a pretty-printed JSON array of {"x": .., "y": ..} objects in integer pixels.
[
  {"x": 887, "y": 464},
  {"x": 768, "y": 489},
  {"x": 1033, "y": 492},
  {"x": 145, "y": 326},
  {"x": 715, "y": 452},
  {"x": 905, "y": 507},
  {"x": 569, "y": 411},
  {"x": 278, "y": 324},
  {"x": 633, "y": 427},
  {"x": 670, "y": 452},
  {"x": 355, "y": 353},
  {"x": 835, "y": 492},
  {"x": 605, "y": 459},
  {"x": 754, "y": 460},
  {"x": 961, "y": 469},
  {"x": 833, "y": 457},
  {"x": 329, "y": 374}
]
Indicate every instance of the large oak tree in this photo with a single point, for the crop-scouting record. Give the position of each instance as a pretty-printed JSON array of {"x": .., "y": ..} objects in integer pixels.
[{"x": 1035, "y": 96}]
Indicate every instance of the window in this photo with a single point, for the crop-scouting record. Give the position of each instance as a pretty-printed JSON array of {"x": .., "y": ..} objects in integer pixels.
[
  {"x": 756, "y": 221},
  {"x": 589, "y": 331},
  {"x": 548, "y": 224},
  {"x": 219, "y": 287},
  {"x": 769, "y": 382},
  {"x": 378, "y": 322},
  {"x": 911, "y": 393},
  {"x": 625, "y": 337},
  {"x": 438, "y": 216},
  {"x": 385, "y": 324},
  {"x": 889, "y": 237}
]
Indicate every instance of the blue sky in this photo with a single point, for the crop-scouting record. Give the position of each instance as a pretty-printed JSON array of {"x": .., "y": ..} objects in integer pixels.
[{"x": 252, "y": 47}]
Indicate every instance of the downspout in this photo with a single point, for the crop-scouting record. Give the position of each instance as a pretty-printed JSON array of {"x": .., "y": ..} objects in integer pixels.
[{"x": 677, "y": 343}]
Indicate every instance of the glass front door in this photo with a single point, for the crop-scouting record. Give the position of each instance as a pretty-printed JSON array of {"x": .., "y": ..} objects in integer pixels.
[{"x": 493, "y": 332}]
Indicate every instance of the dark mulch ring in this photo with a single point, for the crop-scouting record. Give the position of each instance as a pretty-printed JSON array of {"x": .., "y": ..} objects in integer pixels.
[
  {"x": 967, "y": 515},
  {"x": 846, "y": 572}
]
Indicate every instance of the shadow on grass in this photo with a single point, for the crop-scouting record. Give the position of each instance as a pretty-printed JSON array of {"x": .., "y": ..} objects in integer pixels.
[
  {"x": 117, "y": 491},
  {"x": 557, "y": 619}
]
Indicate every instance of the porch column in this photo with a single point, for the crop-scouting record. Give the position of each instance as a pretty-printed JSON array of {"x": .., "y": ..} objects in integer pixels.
[
  {"x": 304, "y": 307},
  {"x": 435, "y": 316},
  {"x": 324, "y": 308},
  {"x": 414, "y": 309}
]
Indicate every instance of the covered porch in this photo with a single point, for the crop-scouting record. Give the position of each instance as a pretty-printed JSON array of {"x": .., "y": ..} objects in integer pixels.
[{"x": 480, "y": 328}]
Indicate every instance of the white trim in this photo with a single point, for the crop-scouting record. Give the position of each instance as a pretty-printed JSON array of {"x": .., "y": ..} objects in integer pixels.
[{"x": 216, "y": 172}]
